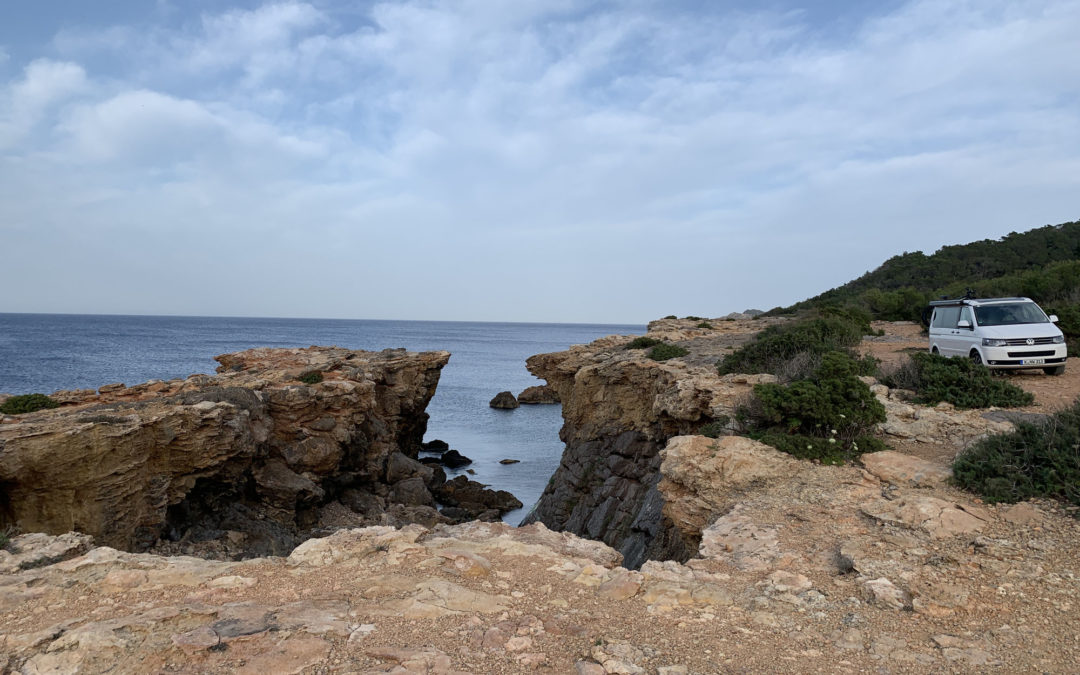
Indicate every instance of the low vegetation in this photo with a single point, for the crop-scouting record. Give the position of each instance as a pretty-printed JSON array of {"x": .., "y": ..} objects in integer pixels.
[
  {"x": 793, "y": 350},
  {"x": 311, "y": 377},
  {"x": 26, "y": 403},
  {"x": 716, "y": 428},
  {"x": 828, "y": 416},
  {"x": 1036, "y": 460},
  {"x": 643, "y": 343},
  {"x": 961, "y": 382},
  {"x": 664, "y": 351}
]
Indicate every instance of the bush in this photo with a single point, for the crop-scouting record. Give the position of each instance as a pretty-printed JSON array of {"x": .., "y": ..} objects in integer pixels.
[
  {"x": 664, "y": 351},
  {"x": 1036, "y": 460},
  {"x": 815, "y": 447},
  {"x": 774, "y": 347},
  {"x": 643, "y": 343},
  {"x": 671, "y": 316},
  {"x": 311, "y": 377},
  {"x": 829, "y": 416},
  {"x": 958, "y": 381},
  {"x": 704, "y": 324},
  {"x": 716, "y": 428},
  {"x": 26, "y": 403}
]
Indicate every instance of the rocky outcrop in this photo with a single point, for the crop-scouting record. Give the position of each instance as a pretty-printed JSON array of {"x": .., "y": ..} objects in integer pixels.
[
  {"x": 619, "y": 410},
  {"x": 794, "y": 578},
  {"x": 504, "y": 400},
  {"x": 248, "y": 462},
  {"x": 538, "y": 395}
]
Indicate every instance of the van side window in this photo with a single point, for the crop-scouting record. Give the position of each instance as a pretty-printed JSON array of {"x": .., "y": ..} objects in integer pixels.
[
  {"x": 946, "y": 317},
  {"x": 967, "y": 315}
]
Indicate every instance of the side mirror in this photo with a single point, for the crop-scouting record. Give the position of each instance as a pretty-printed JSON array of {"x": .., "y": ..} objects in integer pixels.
[
  {"x": 964, "y": 323},
  {"x": 1053, "y": 318}
]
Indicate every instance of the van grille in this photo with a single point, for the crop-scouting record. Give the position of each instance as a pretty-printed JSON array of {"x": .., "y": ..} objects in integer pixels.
[
  {"x": 1020, "y": 342},
  {"x": 1030, "y": 355}
]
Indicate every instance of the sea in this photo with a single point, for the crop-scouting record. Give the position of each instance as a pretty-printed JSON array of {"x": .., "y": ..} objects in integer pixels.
[{"x": 47, "y": 352}]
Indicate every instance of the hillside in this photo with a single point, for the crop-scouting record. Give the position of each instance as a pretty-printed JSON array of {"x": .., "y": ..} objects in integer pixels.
[{"x": 1043, "y": 264}]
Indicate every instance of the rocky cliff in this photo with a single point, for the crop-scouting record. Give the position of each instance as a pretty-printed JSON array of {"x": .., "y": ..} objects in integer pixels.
[
  {"x": 620, "y": 409},
  {"x": 280, "y": 444}
]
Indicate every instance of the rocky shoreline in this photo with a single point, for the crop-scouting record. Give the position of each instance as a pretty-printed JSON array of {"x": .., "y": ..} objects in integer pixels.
[
  {"x": 703, "y": 555},
  {"x": 281, "y": 445}
]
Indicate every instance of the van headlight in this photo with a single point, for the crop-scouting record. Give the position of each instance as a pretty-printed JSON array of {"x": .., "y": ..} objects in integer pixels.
[
  {"x": 994, "y": 342},
  {"x": 1059, "y": 339}
]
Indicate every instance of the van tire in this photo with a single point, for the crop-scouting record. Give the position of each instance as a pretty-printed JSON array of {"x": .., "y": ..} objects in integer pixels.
[
  {"x": 976, "y": 357},
  {"x": 935, "y": 351},
  {"x": 1056, "y": 370}
]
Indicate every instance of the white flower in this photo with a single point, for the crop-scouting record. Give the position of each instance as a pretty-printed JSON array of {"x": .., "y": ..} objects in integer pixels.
[
  {"x": 843, "y": 416},
  {"x": 834, "y": 432},
  {"x": 832, "y": 440}
]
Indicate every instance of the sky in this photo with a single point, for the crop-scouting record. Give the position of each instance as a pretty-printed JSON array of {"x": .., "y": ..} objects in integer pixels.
[{"x": 535, "y": 160}]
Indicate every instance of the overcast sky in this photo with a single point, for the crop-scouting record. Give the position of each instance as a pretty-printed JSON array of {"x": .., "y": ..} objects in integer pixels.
[{"x": 516, "y": 160}]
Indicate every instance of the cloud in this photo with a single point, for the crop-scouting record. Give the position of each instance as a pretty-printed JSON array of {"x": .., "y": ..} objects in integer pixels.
[
  {"x": 27, "y": 102},
  {"x": 597, "y": 146}
]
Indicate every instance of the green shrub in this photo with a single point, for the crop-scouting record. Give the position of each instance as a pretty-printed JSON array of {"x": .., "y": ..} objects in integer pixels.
[
  {"x": 664, "y": 351},
  {"x": 958, "y": 381},
  {"x": 772, "y": 348},
  {"x": 815, "y": 447},
  {"x": 694, "y": 318},
  {"x": 311, "y": 377},
  {"x": 716, "y": 428},
  {"x": 704, "y": 324},
  {"x": 671, "y": 316},
  {"x": 1036, "y": 460},
  {"x": 829, "y": 416},
  {"x": 25, "y": 403},
  {"x": 643, "y": 343}
]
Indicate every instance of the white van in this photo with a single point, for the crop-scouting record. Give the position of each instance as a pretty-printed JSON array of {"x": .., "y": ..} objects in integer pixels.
[{"x": 998, "y": 332}]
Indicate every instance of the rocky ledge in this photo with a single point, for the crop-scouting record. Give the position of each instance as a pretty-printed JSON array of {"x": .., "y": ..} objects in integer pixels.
[
  {"x": 280, "y": 445},
  {"x": 840, "y": 570}
]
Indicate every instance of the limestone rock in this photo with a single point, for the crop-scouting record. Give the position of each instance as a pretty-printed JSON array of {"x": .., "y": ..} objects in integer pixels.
[
  {"x": 174, "y": 457},
  {"x": 938, "y": 518},
  {"x": 542, "y": 394},
  {"x": 901, "y": 469},
  {"x": 32, "y": 550},
  {"x": 701, "y": 476},
  {"x": 504, "y": 400}
]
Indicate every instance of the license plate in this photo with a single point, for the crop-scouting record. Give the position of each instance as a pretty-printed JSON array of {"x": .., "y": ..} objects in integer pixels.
[{"x": 1033, "y": 362}]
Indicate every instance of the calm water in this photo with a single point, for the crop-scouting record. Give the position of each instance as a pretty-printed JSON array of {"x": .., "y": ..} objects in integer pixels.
[{"x": 46, "y": 352}]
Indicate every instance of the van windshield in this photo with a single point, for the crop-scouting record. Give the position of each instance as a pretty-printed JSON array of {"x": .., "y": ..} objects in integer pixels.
[{"x": 1009, "y": 314}]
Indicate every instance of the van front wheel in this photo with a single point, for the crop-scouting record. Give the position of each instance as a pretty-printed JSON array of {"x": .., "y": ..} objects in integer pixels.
[
  {"x": 976, "y": 357},
  {"x": 1056, "y": 370}
]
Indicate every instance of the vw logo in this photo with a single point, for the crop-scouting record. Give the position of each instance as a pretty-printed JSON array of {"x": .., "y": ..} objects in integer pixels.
[{"x": 1030, "y": 341}]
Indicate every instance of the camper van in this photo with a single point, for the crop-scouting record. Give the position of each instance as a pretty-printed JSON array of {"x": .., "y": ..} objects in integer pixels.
[{"x": 1001, "y": 333}]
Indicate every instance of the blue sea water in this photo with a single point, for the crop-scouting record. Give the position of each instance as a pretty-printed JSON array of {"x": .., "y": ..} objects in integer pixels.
[{"x": 46, "y": 352}]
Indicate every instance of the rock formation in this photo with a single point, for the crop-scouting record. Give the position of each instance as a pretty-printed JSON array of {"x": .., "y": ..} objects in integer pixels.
[
  {"x": 538, "y": 395},
  {"x": 247, "y": 462},
  {"x": 620, "y": 409},
  {"x": 504, "y": 400},
  {"x": 794, "y": 578}
]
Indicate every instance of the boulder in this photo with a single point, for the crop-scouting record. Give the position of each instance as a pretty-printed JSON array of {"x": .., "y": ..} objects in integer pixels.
[
  {"x": 900, "y": 469},
  {"x": 504, "y": 400},
  {"x": 454, "y": 459},
  {"x": 411, "y": 492},
  {"x": 435, "y": 446},
  {"x": 475, "y": 498}
]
